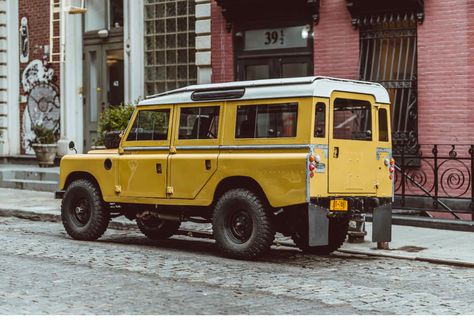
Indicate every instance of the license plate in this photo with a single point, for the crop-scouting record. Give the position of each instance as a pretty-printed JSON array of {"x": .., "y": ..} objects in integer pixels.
[{"x": 339, "y": 205}]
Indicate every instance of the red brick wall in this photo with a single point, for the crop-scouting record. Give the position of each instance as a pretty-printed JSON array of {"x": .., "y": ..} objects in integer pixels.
[
  {"x": 222, "y": 52},
  {"x": 37, "y": 12},
  {"x": 445, "y": 62},
  {"x": 445, "y": 72},
  {"x": 336, "y": 43}
]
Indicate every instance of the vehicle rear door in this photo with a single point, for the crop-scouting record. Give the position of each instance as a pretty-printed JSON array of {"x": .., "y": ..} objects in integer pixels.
[{"x": 352, "y": 147}]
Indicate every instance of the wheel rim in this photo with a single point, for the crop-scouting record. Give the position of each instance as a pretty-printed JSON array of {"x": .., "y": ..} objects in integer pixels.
[
  {"x": 81, "y": 211},
  {"x": 240, "y": 226}
]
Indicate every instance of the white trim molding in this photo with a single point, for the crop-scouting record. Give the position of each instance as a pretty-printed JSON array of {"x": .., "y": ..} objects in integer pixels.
[
  {"x": 203, "y": 41},
  {"x": 134, "y": 50},
  {"x": 9, "y": 79}
]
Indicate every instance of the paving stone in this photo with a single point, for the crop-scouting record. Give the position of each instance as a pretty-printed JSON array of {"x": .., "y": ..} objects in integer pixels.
[{"x": 46, "y": 272}]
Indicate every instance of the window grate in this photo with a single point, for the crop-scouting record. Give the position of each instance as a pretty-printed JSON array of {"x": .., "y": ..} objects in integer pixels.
[
  {"x": 388, "y": 55},
  {"x": 169, "y": 45}
]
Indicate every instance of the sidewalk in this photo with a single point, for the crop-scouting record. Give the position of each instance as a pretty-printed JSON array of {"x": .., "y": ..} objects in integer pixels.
[{"x": 413, "y": 243}]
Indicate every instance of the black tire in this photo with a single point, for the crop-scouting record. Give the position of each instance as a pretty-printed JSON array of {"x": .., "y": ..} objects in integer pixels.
[
  {"x": 84, "y": 214},
  {"x": 112, "y": 139},
  {"x": 157, "y": 229},
  {"x": 337, "y": 236},
  {"x": 241, "y": 225}
]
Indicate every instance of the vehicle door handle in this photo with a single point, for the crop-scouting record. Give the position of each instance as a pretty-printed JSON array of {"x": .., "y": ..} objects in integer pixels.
[
  {"x": 336, "y": 152},
  {"x": 208, "y": 164},
  {"x": 158, "y": 168}
]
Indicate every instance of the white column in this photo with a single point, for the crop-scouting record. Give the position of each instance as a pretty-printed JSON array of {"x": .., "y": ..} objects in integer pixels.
[
  {"x": 11, "y": 110},
  {"x": 203, "y": 41},
  {"x": 134, "y": 50},
  {"x": 72, "y": 85}
]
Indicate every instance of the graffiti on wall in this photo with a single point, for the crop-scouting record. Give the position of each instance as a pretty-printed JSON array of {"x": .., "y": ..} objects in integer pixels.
[
  {"x": 42, "y": 104},
  {"x": 24, "y": 41}
]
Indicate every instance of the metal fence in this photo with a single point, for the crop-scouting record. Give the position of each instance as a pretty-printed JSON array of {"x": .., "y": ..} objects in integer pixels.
[{"x": 436, "y": 178}]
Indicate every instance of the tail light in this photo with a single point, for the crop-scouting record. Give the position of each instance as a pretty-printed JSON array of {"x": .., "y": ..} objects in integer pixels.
[
  {"x": 391, "y": 169},
  {"x": 313, "y": 160}
]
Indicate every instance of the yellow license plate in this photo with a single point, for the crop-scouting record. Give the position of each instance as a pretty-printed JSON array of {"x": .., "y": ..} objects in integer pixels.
[{"x": 339, "y": 205}]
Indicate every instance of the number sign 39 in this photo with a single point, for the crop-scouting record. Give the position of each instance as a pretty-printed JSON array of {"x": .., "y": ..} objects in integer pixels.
[
  {"x": 278, "y": 38},
  {"x": 273, "y": 37}
]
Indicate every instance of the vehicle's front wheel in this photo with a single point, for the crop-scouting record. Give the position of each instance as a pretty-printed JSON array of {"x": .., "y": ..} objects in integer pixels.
[
  {"x": 241, "y": 225},
  {"x": 337, "y": 236},
  {"x": 157, "y": 229},
  {"x": 84, "y": 214}
]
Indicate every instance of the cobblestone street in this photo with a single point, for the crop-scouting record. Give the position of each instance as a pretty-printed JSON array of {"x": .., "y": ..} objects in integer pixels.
[{"x": 46, "y": 272}]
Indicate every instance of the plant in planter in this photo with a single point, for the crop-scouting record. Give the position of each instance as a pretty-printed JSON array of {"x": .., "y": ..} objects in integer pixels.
[
  {"x": 44, "y": 145},
  {"x": 112, "y": 122}
]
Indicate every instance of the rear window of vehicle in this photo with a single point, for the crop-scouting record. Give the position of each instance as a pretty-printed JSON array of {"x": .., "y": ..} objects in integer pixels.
[
  {"x": 383, "y": 125},
  {"x": 266, "y": 120},
  {"x": 352, "y": 120}
]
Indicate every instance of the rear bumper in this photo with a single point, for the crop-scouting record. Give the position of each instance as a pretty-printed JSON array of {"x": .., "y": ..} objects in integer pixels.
[
  {"x": 319, "y": 219},
  {"x": 59, "y": 194}
]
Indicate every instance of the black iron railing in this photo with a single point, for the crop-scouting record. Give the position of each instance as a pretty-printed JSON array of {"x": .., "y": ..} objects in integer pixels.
[{"x": 436, "y": 178}]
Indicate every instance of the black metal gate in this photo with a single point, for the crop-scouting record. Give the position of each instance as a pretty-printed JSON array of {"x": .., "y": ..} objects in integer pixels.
[{"x": 388, "y": 55}]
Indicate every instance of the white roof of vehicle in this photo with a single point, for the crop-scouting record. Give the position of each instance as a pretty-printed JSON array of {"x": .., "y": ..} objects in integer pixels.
[{"x": 272, "y": 88}]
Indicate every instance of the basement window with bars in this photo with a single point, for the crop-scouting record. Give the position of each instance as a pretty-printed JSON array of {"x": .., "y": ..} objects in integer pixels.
[
  {"x": 388, "y": 55},
  {"x": 169, "y": 45}
]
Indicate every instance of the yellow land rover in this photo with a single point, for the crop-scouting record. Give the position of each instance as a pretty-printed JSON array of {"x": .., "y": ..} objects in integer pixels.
[{"x": 298, "y": 156}]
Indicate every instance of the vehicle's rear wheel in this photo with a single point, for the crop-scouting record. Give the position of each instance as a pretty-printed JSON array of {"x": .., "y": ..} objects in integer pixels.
[
  {"x": 241, "y": 225},
  {"x": 337, "y": 235},
  {"x": 84, "y": 214},
  {"x": 157, "y": 229}
]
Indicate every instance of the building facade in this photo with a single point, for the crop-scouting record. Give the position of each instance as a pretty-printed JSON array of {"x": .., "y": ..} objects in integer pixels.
[
  {"x": 62, "y": 62},
  {"x": 62, "y": 66},
  {"x": 421, "y": 51}
]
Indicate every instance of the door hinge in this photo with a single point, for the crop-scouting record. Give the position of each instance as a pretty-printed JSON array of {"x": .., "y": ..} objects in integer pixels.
[
  {"x": 118, "y": 189},
  {"x": 169, "y": 190},
  {"x": 172, "y": 149}
]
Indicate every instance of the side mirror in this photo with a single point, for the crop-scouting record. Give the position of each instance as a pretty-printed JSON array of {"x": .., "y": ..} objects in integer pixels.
[{"x": 72, "y": 146}]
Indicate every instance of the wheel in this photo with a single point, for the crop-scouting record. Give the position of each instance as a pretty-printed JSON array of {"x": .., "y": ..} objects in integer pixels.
[
  {"x": 337, "y": 236},
  {"x": 241, "y": 225},
  {"x": 84, "y": 214},
  {"x": 157, "y": 229}
]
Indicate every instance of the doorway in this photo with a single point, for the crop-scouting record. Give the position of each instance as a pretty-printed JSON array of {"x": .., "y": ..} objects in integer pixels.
[
  {"x": 104, "y": 85},
  {"x": 271, "y": 68},
  {"x": 274, "y": 52}
]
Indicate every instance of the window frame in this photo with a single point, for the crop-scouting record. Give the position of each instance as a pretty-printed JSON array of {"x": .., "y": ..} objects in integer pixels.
[
  {"x": 372, "y": 118},
  {"x": 236, "y": 126},
  {"x": 147, "y": 143},
  {"x": 176, "y": 141}
]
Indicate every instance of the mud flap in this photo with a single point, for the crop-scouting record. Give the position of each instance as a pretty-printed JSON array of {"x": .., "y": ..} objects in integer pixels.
[
  {"x": 382, "y": 224},
  {"x": 318, "y": 226}
]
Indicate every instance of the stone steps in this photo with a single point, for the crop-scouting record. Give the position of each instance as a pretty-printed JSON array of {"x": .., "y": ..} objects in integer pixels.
[{"x": 29, "y": 177}]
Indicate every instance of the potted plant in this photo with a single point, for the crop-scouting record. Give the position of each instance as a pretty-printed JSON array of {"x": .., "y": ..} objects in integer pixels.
[
  {"x": 112, "y": 123},
  {"x": 44, "y": 145}
]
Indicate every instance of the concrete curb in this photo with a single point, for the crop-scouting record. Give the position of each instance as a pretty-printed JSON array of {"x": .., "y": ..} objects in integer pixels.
[
  {"x": 49, "y": 217},
  {"x": 385, "y": 254}
]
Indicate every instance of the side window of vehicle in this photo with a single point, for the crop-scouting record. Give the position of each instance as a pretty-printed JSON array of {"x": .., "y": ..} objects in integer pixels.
[
  {"x": 320, "y": 120},
  {"x": 150, "y": 125},
  {"x": 352, "y": 120},
  {"x": 266, "y": 121},
  {"x": 199, "y": 123},
  {"x": 383, "y": 125}
]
